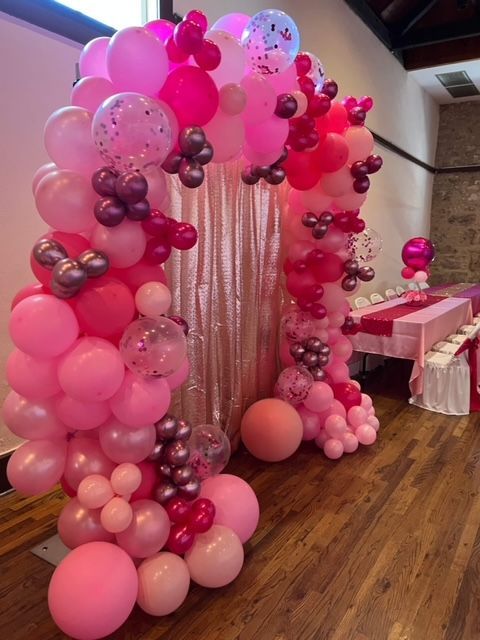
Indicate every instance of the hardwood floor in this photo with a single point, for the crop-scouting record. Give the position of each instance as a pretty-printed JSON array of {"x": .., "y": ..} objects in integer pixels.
[{"x": 382, "y": 545}]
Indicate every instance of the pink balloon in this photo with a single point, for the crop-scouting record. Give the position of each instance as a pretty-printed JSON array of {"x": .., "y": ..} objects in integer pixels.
[
  {"x": 78, "y": 525},
  {"x": 366, "y": 434},
  {"x": 335, "y": 426},
  {"x": 215, "y": 558},
  {"x": 420, "y": 276},
  {"x": 286, "y": 357},
  {"x": 356, "y": 416},
  {"x": 261, "y": 158},
  {"x": 181, "y": 375},
  {"x": 373, "y": 422},
  {"x": 333, "y": 448},
  {"x": 333, "y": 335},
  {"x": 84, "y": 458},
  {"x": 315, "y": 199},
  {"x": 333, "y": 241},
  {"x": 37, "y": 466},
  {"x": 126, "y": 478},
  {"x": 43, "y": 326},
  {"x": 261, "y": 98},
  {"x": 336, "y": 319},
  {"x": 233, "y": 23},
  {"x": 310, "y": 421},
  {"x": 366, "y": 401},
  {"x": 26, "y": 292},
  {"x": 226, "y": 134},
  {"x": 140, "y": 401},
  {"x": 65, "y": 201},
  {"x": 342, "y": 348},
  {"x": 90, "y": 92},
  {"x": 268, "y": 135},
  {"x": 93, "y": 59},
  {"x": 360, "y": 143},
  {"x": 285, "y": 81},
  {"x": 350, "y": 201},
  {"x": 333, "y": 297},
  {"x": 41, "y": 172},
  {"x": 157, "y": 183},
  {"x": 138, "y": 274},
  {"x": 137, "y": 61},
  {"x": 337, "y": 409},
  {"x": 338, "y": 371},
  {"x": 163, "y": 29},
  {"x": 337, "y": 183},
  {"x": 75, "y": 602},
  {"x": 126, "y": 444},
  {"x": 148, "y": 532},
  {"x": 124, "y": 244},
  {"x": 163, "y": 583},
  {"x": 350, "y": 442},
  {"x": 92, "y": 371},
  {"x": 236, "y": 505},
  {"x": 321, "y": 439},
  {"x": 81, "y": 415},
  {"x": 33, "y": 378},
  {"x": 32, "y": 419},
  {"x": 232, "y": 99},
  {"x": 116, "y": 515},
  {"x": 149, "y": 481},
  {"x": 319, "y": 398},
  {"x": 232, "y": 65},
  {"x": 94, "y": 492}
]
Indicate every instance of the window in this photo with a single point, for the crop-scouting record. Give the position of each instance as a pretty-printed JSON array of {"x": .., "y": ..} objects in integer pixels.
[{"x": 114, "y": 13}]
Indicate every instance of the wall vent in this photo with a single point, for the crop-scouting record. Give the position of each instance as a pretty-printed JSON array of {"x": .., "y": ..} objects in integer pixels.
[{"x": 458, "y": 84}]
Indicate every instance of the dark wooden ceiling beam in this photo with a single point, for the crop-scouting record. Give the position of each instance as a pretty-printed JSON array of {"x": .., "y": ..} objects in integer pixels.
[
  {"x": 437, "y": 35},
  {"x": 421, "y": 9},
  {"x": 443, "y": 53}
]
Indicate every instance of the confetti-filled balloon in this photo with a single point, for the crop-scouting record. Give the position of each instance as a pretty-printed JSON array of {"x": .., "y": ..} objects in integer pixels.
[
  {"x": 364, "y": 246},
  {"x": 132, "y": 132},
  {"x": 316, "y": 73},
  {"x": 293, "y": 385},
  {"x": 271, "y": 40},
  {"x": 210, "y": 450}
]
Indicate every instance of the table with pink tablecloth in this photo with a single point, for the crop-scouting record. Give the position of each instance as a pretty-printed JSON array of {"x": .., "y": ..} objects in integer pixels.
[
  {"x": 415, "y": 333},
  {"x": 465, "y": 290}
]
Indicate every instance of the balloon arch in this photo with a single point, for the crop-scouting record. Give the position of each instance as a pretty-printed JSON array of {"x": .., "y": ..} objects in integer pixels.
[{"x": 97, "y": 353}]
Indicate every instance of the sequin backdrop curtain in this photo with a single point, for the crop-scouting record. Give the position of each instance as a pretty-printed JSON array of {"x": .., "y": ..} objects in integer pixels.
[{"x": 228, "y": 290}]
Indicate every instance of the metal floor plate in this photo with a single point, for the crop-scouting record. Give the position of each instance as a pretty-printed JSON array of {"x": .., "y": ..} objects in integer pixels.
[{"x": 52, "y": 550}]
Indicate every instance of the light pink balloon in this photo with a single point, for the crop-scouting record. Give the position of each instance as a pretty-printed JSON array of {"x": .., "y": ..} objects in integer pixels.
[
  {"x": 360, "y": 143},
  {"x": 37, "y": 466},
  {"x": 261, "y": 99},
  {"x": 338, "y": 371},
  {"x": 420, "y": 276},
  {"x": 93, "y": 59},
  {"x": 333, "y": 335},
  {"x": 366, "y": 401},
  {"x": 286, "y": 81},
  {"x": 116, "y": 515},
  {"x": 315, "y": 199},
  {"x": 319, "y": 397},
  {"x": 356, "y": 416},
  {"x": 337, "y": 183},
  {"x": 78, "y": 525},
  {"x": 126, "y": 444},
  {"x": 137, "y": 61},
  {"x": 302, "y": 103},
  {"x": 226, "y": 134},
  {"x": 65, "y": 201},
  {"x": 216, "y": 557},
  {"x": 180, "y": 376},
  {"x": 268, "y": 135},
  {"x": 373, "y": 422},
  {"x": 336, "y": 319},
  {"x": 335, "y": 426},
  {"x": 321, "y": 438},
  {"x": 34, "y": 378},
  {"x": 366, "y": 434},
  {"x": 163, "y": 583},
  {"x": 232, "y": 65},
  {"x": 350, "y": 442},
  {"x": 236, "y": 505},
  {"x": 232, "y": 99},
  {"x": 310, "y": 421},
  {"x": 41, "y": 172},
  {"x": 94, "y": 492},
  {"x": 32, "y": 419},
  {"x": 350, "y": 201},
  {"x": 342, "y": 348},
  {"x": 85, "y": 457},
  {"x": 90, "y": 92},
  {"x": 124, "y": 244},
  {"x": 76, "y": 603},
  {"x": 261, "y": 158},
  {"x": 333, "y": 297},
  {"x": 333, "y": 241},
  {"x": 81, "y": 415},
  {"x": 153, "y": 299},
  {"x": 43, "y": 326},
  {"x": 126, "y": 478},
  {"x": 333, "y": 448},
  {"x": 233, "y": 23},
  {"x": 337, "y": 408},
  {"x": 92, "y": 371},
  {"x": 300, "y": 250},
  {"x": 148, "y": 532},
  {"x": 157, "y": 185},
  {"x": 141, "y": 401}
]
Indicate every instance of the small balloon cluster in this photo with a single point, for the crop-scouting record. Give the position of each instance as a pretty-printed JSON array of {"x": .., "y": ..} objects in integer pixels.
[
  {"x": 313, "y": 354},
  {"x": 417, "y": 255},
  {"x": 318, "y": 224},
  {"x": 349, "y": 221},
  {"x": 68, "y": 275},
  {"x": 123, "y": 196},
  {"x": 188, "y": 39},
  {"x": 361, "y": 169},
  {"x": 194, "y": 152},
  {"x": 188, "y": 519},
  {"x": 273, "y": 174},
  {"x": 166, "y": 233},
  {"x": 350, "y": 327},
  {"x": 355, "y": 272}
]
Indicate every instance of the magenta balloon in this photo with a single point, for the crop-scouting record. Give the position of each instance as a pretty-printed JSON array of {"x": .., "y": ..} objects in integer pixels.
[
  {"x": 122, "y": 443},
  {"x": 418, "y": 253},
  {"x": 43, "y": 326},
  {"x": 163, "y": 29},
  {"x": 233, "y": 23},
  {"x": 93, "y": 59},
  {"x": 78, "y": 525},
  {"x": 32, "y": 419},
  {"x": 34, "y": 378},
  {"x": 41, "y": 172},
  {"x": 90, "y": 92},
  {"x": 84, "y": 458},
  {"x": 141, "y": 401},
  {"x": 37, "y": 466},
  {"x": 78, "y": 606},
  {"x": 148, "y": 532},
  {"x": 92, "y": 370},
  {"x": 81, "y": 415},
  {"x": 267, "y": 136}
]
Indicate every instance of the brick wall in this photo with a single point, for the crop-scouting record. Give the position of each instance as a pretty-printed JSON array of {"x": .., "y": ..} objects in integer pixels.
[{"x": 455, "y": 223}]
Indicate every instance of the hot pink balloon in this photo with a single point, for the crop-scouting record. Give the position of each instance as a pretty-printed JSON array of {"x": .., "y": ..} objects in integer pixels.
[
  {"x": 94, "y": 492},
  {"x": 84, "y": 458},
  {"x": 141, "y": 401},
  {"x": 418, "y": 253},
  {"x": 75, "y": 603},
  {"x": 310, "y": 421},
  {"x": 116, "y": 515},
  {"x": 126, "y": 478},
  {"x": 37, "y": 466},
  {"x": 319, "y": 398},
  {"x": 333, "y": 448},
  {"x": 34, "y": 378},
  {"x": 32, "y": 419},
  {"x": 124, "y": 244},
  {"x": 78, "y": 525},
  {"x": 122, "y": 443},
  {"x": 41, "y": 172},
  {"x": 148, "y": 532},
  {"x": 81, "y": 415},
  {"x": 268, "y": 135},
  {"x": 163, "y": 583},
  {"x": 181, "y": 375},
  {"x": 90, "y": 92},
  {"x": 163, "y": 29},
  {"x": 93, "y": 59}
]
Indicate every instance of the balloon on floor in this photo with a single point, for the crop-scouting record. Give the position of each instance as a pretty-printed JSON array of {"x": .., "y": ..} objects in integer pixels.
[{"x": 98, "y": 351}]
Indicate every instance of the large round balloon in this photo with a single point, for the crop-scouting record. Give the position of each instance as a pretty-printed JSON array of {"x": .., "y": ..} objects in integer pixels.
[
  {"x": 418, "y": 253},
  {"x": 364, "y": 246}
]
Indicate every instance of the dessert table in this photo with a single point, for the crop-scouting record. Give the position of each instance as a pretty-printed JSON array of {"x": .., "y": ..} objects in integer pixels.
[
  {"x": 399, "y": 330},
  {"x": 467, "y": 290}
]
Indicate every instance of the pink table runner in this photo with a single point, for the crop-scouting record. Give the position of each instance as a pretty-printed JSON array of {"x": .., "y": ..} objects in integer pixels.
[
  {"x": 460, "y": 290},
  {"x": 380, "y": 321},
  {"x": 413, "y": 334}
]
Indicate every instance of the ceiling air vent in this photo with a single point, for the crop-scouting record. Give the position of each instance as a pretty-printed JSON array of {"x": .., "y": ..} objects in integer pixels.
[{"x": 458, "y": 84}]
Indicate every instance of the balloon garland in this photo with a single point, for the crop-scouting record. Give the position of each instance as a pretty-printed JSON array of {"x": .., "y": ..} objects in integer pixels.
[{"x": 97, "y": 352}]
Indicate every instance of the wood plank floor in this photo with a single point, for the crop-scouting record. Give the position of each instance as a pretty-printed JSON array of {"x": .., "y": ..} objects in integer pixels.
[{"x": 382, "y": 545}]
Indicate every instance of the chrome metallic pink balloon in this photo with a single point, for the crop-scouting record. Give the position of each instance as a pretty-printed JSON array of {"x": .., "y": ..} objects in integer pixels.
[{"x": 418, "y": 253}]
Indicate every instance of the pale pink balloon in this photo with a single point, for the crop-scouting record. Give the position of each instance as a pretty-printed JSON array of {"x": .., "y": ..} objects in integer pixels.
[
  {"x": 122, "y": 443},
  {"x": 350, "y": 201},
  {"x": 41, "y": 172},
  {"x": 137, "y": 61},
  {"x": 319, "y": 397},
  {"x": 310, "y": 421},
  {"x": 141, "y": 401},
  {"x": 157, "y": 186},
  {"x": 315, "y": 199},
  {"x": 342, "y": 348},
  {"x": 333, "y": 241},
  {"x": 153, "y": 299},
  {"x": 337, "y": 408},
  {"x": 366, "y": 401},
  {"x": 261, "y": 98},
  {"x": 32, "y": 419},
  {"x": 92, "y": 371},
  {"x": 65, "y": 201},
  {"x": 34, "y": 378},
  {"x": 268, "y": 135},
  {"x": 295, "y": 202},
  {"x": 321, "y": 439},
  {"x": 37, "y": 466},
  {"x": 333, "y": 297},
  {"x": 236, "y": 505},
  {"x": 78, "y": 605},
  {"x": 90, "y": 92},
  {"x": 338, "y": 371},
  {"x": 77, "y": 525},
  {"x": 163, "y": 583},
  {"x": 126, "y": 478},
  {"x": 360, "y": 143},
  {"x": 350, "y": 442},
  {"x": 335, "y": 426},
  {"x": 333, "y": 448},
  {"x": 43, "y": 326},
  {"x": 232, "y": 99},
  {"x": 81, "y": 415},
  {"x": 356, "y": 416},
  {"x": 181, "y": 375},
  {"x": 233, "y": 23},
  {"x": 337, "y": 183},
  {"x": 286, "y": 81},
  {"x": 371, "y": 411},
  {"x": 333, "y": 335},
  {"x": 336, "y": 319},
  {"x": 85, "y": 457},
  {"x": 302, "y": 103},
  {"x": 116, "y": 515},
  {"x": 148, "y": 532},
  {"x": 366, "y": 434},
  {"x": 373, "y": 422},
  {"x": 93, "y": 59},
  {"x": 124, "y": 244},
  {"x": 94, "y": 492},
  {"x": 226, "y": 134},
  {"x": 232, "y": 65},
  {"x": 215, "y": 558},
  {"x": 420, "y": 276}
]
